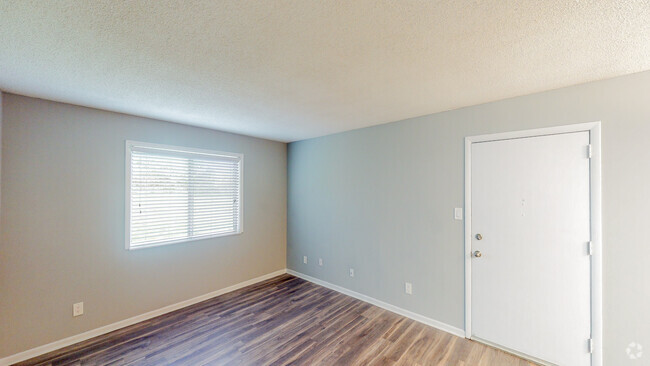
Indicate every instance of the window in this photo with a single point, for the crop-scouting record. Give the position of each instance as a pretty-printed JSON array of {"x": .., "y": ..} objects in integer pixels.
[{"x": 176, "y": 194}]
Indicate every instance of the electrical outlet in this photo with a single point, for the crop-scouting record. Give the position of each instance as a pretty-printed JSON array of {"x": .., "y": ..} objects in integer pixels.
[
  {"x": 320, "y": 262},
  {"x": 78, "y": 309},
  {"x": 351, "y": 272},
  {"x": 408, "y": 288},
  {"x": 304, "y": 259}
]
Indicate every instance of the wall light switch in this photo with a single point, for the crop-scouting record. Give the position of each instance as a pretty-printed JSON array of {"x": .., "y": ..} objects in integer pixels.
[
  {"x": 351, "y": 272},
  {"x": 458, "y": 213},
  {"x": 78, "y": 309}
]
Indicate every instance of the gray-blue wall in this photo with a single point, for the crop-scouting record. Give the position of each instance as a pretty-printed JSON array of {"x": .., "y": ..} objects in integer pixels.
[{"x": 381, "y": 200}]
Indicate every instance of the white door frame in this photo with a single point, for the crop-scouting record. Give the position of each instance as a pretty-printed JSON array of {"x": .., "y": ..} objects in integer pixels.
[{"x": 596, "y": 223}]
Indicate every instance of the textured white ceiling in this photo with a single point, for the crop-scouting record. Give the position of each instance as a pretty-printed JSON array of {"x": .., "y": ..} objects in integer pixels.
[{"x": 290, "y": 70}]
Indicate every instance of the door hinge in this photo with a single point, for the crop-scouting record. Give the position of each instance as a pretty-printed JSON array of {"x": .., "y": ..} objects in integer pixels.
[
  {"x": 590, "y": 345},
  {"x": 590, "y": 248},
  {"x": 590, "y": 151}
]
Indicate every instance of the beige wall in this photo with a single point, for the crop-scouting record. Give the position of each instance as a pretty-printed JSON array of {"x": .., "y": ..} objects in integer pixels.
[
  {"x": 62, "y": 229},
  {"x": 1, "y": 95}
]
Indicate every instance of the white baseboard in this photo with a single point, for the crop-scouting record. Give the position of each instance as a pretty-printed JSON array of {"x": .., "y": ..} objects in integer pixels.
[
  {"x": 41, "y": 350},
  {"x": 409, "y": 314}
]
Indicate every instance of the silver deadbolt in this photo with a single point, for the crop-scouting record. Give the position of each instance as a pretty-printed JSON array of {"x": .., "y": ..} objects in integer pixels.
[
  {"x": 479, "y": 237},
  {"x": 478, "y": 254}
]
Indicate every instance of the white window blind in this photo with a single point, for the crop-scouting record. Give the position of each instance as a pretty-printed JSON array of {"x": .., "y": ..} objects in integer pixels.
[{"x": 178, "y": 194}]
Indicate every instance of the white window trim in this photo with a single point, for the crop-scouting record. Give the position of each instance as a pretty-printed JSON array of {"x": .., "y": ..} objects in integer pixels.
[{"x": 130, "y": 144}]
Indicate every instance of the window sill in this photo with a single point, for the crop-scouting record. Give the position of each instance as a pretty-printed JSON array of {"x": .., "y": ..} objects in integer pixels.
[{"x": 179, "y": 241}]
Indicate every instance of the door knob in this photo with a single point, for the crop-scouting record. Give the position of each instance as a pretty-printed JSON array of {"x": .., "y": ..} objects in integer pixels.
[
  {"x": 479, "y": 237},
  {"x": 478, "y": 254}
]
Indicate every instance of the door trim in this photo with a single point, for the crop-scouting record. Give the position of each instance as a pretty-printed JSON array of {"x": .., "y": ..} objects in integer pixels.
[{"x": 596, "y": 223}]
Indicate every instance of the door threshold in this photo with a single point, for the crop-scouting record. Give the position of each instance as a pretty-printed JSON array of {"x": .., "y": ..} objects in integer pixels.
[{"x": 513, "y": 352}]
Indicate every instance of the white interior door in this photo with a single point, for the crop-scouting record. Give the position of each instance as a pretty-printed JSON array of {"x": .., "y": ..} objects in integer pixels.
[{"x": 530, "y": 287}]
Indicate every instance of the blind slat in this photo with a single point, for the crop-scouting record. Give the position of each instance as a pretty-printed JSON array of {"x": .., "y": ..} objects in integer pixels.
[
  {"x": 176, "y": 232},
  {"x": 153, "y": 231},
  {"x": 146, "y": 216},
  {"x": 152, "y": 205},
  {"x": 153, "y": 197},
  {"x": 170, "y": 220},
  {"x": 180, "y": 229}
]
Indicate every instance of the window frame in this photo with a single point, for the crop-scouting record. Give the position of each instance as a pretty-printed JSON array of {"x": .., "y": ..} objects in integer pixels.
[{"x": 130, "y": 144}]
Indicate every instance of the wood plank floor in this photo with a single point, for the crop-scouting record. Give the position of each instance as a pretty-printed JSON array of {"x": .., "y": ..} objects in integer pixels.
[{"x": 282, "y": 321}]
